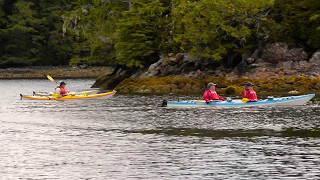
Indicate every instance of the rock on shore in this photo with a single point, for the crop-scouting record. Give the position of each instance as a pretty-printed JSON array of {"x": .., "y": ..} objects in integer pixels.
[
  {"x": 290, "y": 69},
  {"x": 276, "y": 60},
  {"x": 179, "y": 85}
]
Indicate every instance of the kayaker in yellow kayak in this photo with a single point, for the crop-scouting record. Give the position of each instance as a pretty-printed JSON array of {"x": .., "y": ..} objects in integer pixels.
[{"x": 61, "y": 90}]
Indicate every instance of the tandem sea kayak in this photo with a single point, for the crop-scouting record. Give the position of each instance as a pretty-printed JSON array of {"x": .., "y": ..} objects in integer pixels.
[
  {"x": 70, "y": 97},
  {"x": 283, "y": 101}
]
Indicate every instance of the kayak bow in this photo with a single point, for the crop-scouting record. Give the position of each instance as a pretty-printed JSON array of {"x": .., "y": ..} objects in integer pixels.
[
  {"x": 283, "y": 101},
  {"x": 71, "y": 97}
]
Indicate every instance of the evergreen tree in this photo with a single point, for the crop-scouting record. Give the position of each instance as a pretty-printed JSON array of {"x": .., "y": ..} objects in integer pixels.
[
  {"x": 134, "y": 33},
  {"x": 139, "y": 33},
  {"x": 296, "y": 22},
  {"x": 211, "y": 29},
  {"x": 94, "y": 24}
]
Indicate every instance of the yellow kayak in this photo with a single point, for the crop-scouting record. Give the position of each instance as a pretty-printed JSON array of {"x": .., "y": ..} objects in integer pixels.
[{"x": 71, "y": 97}]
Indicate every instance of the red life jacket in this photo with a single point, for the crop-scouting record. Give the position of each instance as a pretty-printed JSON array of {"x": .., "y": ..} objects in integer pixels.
[
  {"x": 250, "y": 94},
  {"x": 63, "y": 91},
  {"x": 211, "y": 95}
]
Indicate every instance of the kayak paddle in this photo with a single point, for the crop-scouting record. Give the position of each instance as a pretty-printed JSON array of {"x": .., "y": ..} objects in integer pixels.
[
  {"x": 245, "y": 100},
  {"x": 51, "y": 79},
  {"x": 203, "y": 101}
]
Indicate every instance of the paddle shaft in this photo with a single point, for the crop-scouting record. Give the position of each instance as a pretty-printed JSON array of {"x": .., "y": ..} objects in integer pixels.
[{"x": 51, "y": 79}]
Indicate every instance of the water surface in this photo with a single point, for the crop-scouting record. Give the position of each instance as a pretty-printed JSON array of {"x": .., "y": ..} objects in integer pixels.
[{"x": 130, "y": 137}]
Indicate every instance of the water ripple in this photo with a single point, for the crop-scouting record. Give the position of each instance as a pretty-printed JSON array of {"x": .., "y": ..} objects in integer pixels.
[{"x": 130, "y": 137}]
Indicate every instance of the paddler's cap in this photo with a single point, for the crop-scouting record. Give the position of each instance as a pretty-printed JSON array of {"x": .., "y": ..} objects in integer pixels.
[
  {"x": 249, "y": 84},
  {"x": 211, "y": 84},
  {"x": 62, "y": 83}
]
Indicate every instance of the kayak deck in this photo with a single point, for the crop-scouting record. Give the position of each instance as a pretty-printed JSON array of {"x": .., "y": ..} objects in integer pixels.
[
  {"x": 283, "y": 101},
  {"x": 71, "y": 97}
]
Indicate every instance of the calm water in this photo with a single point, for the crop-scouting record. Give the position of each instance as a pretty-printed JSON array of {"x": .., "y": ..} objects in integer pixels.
[{"x": 129, "y": 137}]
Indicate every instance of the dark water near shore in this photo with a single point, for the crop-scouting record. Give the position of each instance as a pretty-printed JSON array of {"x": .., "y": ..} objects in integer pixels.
[{"x": 130, "y": 137}]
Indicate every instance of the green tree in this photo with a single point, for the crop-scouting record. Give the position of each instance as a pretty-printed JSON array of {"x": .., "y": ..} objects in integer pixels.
[
  {"x": 55, "y": 49},
  {"x": 94, "y": 24},
  {"x": 31, "y": 33},
  {"x": 296, "y": 22},
  {"x": 211, "y": 29},
  {"x": 139, "y": 33},
  {"x": 21, "y": 34}
]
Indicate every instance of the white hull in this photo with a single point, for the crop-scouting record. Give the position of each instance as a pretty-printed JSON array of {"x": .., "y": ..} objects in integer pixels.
[{"x": 284, "y": 101}]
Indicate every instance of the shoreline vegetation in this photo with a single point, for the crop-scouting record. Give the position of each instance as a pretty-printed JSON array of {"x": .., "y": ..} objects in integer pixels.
[
  {"x": 234, "y": 87},
  {"x": 41, "y": 72},
  {"x": 187, "y": 74},
  {"x": 284, "y": 85}
]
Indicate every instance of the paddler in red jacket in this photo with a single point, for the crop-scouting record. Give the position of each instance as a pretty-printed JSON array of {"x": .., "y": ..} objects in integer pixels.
[
  {"x": 249, "y": 93},
  {"x": 61, "y": 90},
  {"x": 211, "y": 95}
]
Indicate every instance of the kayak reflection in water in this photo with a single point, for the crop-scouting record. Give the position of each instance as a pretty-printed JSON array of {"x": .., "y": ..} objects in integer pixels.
[
  {"x": 211, "y": 95},
  {"x": 249, "y": 95},
  {"x": 61, "y": 90}
]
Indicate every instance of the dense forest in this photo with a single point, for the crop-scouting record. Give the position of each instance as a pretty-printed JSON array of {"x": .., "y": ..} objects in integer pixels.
[{"x": 135, "y": 33}]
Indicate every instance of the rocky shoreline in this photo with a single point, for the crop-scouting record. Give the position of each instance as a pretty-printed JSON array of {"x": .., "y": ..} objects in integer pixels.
[
  {"x": 276, "y": 69},
  {"x": 284, "y": 85},
  {"x": 275, "y": 60},
  {"x": 40, "y": 72}
]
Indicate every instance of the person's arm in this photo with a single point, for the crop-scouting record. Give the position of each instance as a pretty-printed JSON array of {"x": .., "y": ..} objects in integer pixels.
[
  {"x": 206, "y": 97},
  {"x": 220, "y": 98},
  {"x": 58, "y": 91},
  {"x": 245, "y": 94},
  {"x": 255, "y": 96},
  {"x": 252, "y": 97}
]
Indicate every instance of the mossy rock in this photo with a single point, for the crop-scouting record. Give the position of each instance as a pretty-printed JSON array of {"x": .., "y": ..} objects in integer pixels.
[
  {"x": 178, "y": 85},
  {"x": 232, "y": 90}
]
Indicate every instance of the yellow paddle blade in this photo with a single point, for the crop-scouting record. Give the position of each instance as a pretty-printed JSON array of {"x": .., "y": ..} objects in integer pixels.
[
  {"x": 245, "y": 100},
  {"x": 201, "y": 102},
  {"x": 50, "y": 78}
]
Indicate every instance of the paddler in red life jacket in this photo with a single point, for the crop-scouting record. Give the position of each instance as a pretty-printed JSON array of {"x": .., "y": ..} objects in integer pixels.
[
  {"x": 61, "y": 90},
  {"x": 211, "y": 95},
  {"x": 249, "y": 93}
]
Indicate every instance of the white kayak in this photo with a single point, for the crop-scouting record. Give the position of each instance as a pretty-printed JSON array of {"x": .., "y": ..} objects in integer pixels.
[{"x": 283, "y": 101}]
